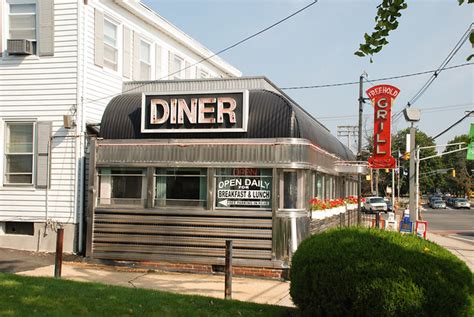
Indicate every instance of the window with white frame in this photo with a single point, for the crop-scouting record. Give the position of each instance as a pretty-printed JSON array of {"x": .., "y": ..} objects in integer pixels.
[
  {"x": 110, "y": 45},
  {"x": 178, "y": 67},
  {"x": 145, "y": 60},
  {"x": 202, "y": 73},
  {"x": 22, "y": 21},
  {"x": 19, "y": 152}
]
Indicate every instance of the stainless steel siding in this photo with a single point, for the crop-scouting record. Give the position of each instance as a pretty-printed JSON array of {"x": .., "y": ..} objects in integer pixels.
[{"x": 183, "y": 236}]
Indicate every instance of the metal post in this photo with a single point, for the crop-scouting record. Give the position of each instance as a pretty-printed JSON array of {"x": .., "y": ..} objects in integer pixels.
[
  {"x": 417, "y": 181},
  {"x": 377, "y": 219},
  {"x": 393, "y": 188},
  {"x": 371, "y": 182},
  {"x": 377, "y": 173},
  {"x": 413, "y": 216},
  {"x": 228, "y": 269},
  {"x": 398, "y": 180},
  {"x": 359, "y": 147},
  {"x": 58, "y": 263}
]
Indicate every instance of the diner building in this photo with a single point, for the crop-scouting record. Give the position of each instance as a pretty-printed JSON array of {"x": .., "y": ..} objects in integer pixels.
[{"x": 179, "y": 167}]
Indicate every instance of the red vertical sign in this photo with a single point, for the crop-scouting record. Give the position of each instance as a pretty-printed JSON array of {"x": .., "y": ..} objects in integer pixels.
[{"x": 382, "y": 97}]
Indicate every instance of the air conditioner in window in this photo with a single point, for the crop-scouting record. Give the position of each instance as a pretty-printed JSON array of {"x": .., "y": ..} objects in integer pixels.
[{"x": 20, "y": 47}]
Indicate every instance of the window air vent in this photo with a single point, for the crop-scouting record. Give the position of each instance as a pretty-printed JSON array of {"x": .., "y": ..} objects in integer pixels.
[{"x": 20, "y": 47}]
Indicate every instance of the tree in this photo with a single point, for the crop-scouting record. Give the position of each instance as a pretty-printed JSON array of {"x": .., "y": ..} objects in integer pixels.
[
  {"x": 462, "y": 183},
  {"x": 386, "y": 20}
]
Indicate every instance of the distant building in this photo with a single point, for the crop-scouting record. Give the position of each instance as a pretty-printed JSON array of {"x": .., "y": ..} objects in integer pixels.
[{"x": 61, "y": 62}]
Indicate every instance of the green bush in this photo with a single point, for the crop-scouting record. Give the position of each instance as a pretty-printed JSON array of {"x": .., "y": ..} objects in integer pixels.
[{"x": 369, "y": 272}]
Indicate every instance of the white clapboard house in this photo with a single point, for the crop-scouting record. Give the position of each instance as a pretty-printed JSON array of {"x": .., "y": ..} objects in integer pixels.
[{"x": 61, "y": 62}]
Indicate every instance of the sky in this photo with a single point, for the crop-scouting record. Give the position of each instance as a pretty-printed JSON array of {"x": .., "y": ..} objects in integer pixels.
[{"x": 317, "y": 46}]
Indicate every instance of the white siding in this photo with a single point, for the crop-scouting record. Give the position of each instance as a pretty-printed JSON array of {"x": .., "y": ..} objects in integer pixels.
[
  {"x": 101, "y": 83},
  {"x": 69, "y": 83},
  {"x": 44, "y": 89}
]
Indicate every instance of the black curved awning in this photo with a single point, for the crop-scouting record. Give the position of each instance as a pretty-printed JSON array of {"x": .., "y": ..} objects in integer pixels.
[{"x": 270, "y": 116}]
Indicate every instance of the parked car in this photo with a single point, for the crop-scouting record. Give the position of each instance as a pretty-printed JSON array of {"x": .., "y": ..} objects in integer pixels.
[
  {"x": 438, "y": 204},
  {"x": 374, "y": 204},
  {"x": 461, "y": 203},
  {"x": 389, "y": 204},
  {"x": 432, "y": 198}
]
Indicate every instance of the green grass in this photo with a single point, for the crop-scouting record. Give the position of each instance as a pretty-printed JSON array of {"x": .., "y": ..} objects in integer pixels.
[{"x": 25, "y": 296}]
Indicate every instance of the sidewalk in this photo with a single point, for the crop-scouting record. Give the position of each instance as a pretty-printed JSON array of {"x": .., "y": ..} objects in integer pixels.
[
  {"x": 273, "y": 292},
  {"x": 464, "y": 250}
]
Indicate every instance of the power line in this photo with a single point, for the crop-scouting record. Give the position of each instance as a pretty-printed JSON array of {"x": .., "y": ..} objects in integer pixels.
[
  {"x": 435, "y": 74},
  {"x": 450, "y": 56},
  {"x": 425, "y": 109},
  {"x": 213, "y": 55},
  {"x": 374, "y": 80},
  {"x": 453, "y": 125}
]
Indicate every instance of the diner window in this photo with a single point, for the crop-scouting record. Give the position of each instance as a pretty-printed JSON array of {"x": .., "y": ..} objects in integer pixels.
[
  {"x": 110, "y": 45},
  {"x": 145, "y": 60},
  {"x": 22, "y": 22},
  {"x": 319, "y": 186},
  {"x": 244, "y": 188},
  {"x": 122, "y": 186},
  {"x": 19, "y": 153},
  {"x": 291, "y": 190},
  {"x": 181, "y": 187}
]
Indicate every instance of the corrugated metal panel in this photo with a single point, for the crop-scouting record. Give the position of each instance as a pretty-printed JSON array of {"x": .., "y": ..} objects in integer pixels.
[
  {"x": 251, "y": 83},
  {"x": 283, "y": 153},
  {"x": 184, "y": 236}
]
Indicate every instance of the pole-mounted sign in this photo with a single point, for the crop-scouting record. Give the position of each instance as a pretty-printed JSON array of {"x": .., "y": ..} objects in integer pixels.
[{"x": 382, "y": 97}]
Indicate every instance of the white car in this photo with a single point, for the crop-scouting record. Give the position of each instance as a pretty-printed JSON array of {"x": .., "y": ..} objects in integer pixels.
[
  {"x": 374, "y": 204},
  {"x": 461, "y": 203}
]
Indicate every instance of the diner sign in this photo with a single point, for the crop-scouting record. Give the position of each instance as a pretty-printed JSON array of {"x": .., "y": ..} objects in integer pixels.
[
  {"x": 243, "y": 191},
  {"x": 195, "y": 112},
  {"x": 382, "y": 97}
]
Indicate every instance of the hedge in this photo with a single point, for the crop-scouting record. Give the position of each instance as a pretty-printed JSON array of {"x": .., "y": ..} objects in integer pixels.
[{"x": 370, "y": 272}]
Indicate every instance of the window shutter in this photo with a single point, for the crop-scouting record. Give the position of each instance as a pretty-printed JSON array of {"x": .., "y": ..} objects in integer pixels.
[
  {"x": 98, "y": 38},
  {"x": 158, "y": 74},
  {"x": 43, "y": 135},
  {"x": 188, "y": 70},
  {"x": 136, "y": 56},
  {"x": 127, "y": 58},
  {"x": 171, "y": 70},
  {"x": 46, "y": 28}
]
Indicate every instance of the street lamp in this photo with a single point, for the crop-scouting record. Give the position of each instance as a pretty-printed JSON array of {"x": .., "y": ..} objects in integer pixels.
[{"x": 413, "y": 115}]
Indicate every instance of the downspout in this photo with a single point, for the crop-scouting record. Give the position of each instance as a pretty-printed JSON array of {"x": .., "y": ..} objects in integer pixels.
[{"x": 79, "y": 186}]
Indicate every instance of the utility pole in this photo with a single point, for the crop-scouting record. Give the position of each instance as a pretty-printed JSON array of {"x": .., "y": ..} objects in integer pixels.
[
  {"x": 412, "y": 179},
  {"x": 359, "y": 146},
  {"x": 347, "y": 131}
]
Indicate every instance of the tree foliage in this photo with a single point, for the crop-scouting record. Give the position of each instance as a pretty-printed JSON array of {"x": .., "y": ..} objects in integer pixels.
[
  {"x": 435, "y": 173},
  {"x": 386, "y": 21},
  {"x": 462, "y": 183},
  {"x": 427, "y": 182}
]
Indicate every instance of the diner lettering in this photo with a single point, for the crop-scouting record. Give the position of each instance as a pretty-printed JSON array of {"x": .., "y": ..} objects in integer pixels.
[{"x": 199, "y": 110}]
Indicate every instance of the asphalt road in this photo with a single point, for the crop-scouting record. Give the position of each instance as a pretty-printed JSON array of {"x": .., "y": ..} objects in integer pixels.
[{"x": 458, "y": 222}]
